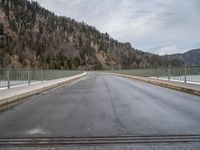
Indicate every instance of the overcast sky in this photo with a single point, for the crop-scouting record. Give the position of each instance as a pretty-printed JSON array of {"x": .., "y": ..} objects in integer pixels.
[{"x": 158, "y": 26}]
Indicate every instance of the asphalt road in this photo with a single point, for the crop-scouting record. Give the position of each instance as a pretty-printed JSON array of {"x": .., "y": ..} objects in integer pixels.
[{"x": 103, "y": 105}]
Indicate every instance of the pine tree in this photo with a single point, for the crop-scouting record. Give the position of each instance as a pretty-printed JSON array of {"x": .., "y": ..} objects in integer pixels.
[{"x": 1, "y": 28}]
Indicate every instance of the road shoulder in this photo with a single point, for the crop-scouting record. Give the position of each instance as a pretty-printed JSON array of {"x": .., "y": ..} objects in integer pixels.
[
  {"x": 8, "y": 96},
  {"x": 188, "y": 88}
]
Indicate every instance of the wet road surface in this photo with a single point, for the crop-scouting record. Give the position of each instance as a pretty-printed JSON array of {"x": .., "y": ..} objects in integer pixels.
[{"x": 103, "y": 105}]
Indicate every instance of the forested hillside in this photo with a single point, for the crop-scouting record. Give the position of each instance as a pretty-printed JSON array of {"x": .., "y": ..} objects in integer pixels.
[
  {"x": 190, "y": 58},
  {"x": 33, "y": 37}
]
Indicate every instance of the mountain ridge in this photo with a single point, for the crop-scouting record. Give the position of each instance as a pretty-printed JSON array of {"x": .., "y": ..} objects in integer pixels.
[
  {"x": 33, "y": 37},
  {"x": 190, "y": 58}
]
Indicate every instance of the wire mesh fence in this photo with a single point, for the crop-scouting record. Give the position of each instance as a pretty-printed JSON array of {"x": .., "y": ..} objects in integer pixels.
[
  {"x": 183, "y": 74},
  {"x": 13, "y": 77}
]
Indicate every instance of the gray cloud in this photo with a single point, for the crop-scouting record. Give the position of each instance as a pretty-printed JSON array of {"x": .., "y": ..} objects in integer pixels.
[{"x": 155, "y": 26}]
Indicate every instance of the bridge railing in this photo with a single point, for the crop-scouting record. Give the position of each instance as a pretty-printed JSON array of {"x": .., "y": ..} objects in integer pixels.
[
  {"x": 182, "y": 74},
  {"x": 13, "y": 77}
]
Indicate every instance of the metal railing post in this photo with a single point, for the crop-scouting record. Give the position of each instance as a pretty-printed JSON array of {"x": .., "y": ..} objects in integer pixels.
[
  {"x": 157, "y": 73},
  {"x": 185, "y": 75},
  {"x": 29, "y": 78},
  {"x": 169, "y": 74},
  {"x": 8, "y": 78},
  {"x": 41, "y": 75}
]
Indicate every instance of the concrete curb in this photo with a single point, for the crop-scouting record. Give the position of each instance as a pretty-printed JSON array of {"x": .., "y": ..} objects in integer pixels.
[
  {"x": 160, "y": 83},
  {"x": 17, "y": 97}
]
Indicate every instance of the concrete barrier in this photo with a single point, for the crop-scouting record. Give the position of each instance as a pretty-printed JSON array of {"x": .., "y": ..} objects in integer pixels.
[{"x": 41, "y": 87}]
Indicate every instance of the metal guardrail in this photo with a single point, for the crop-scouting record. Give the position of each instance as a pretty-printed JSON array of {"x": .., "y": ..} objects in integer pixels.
[
  {"x": 13, "y": 77},
  {"x": 183, "y": 74}
]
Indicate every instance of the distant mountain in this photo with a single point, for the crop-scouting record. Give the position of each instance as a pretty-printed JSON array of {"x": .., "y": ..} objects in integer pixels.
[
  {"x": 190, "y": 58},
  {"x": 33, "y": 37}
]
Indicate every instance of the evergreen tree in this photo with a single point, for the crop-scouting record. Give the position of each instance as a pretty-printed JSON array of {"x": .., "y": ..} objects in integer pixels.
[{"x": 1, "y": 28}]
